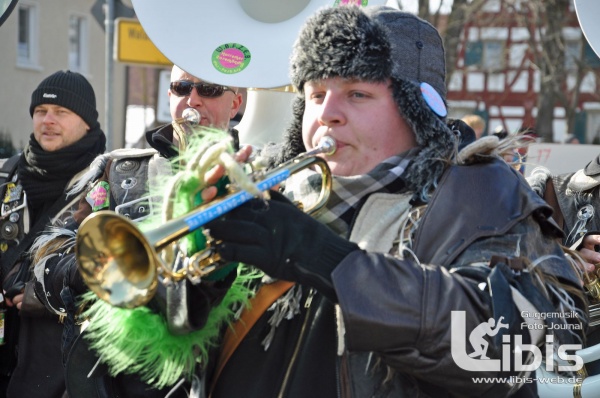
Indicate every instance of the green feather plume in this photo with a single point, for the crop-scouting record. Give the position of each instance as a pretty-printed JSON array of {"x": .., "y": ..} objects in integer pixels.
[{"x": 137, "y": 341}]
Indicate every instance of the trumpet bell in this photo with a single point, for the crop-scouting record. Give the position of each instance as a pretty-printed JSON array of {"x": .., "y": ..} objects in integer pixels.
[
  {"x": 122, "y": 265},
  {"x": 115, "y": 260}
]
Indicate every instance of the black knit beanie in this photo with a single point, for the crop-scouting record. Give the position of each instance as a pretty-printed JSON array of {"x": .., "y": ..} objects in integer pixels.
[{"x": 70, "y": 90}]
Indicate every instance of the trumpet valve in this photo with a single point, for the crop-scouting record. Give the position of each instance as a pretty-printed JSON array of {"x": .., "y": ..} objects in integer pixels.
[{"x": 593, "y": 287}]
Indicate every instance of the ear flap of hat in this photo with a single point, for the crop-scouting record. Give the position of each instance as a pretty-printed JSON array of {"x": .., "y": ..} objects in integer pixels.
[
  {"x": 436, "y": 140},
  {"x": 293, "y": 145}
]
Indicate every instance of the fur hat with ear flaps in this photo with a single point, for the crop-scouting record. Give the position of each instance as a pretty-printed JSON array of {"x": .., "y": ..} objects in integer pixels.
[{"x": 375, "y": 44}]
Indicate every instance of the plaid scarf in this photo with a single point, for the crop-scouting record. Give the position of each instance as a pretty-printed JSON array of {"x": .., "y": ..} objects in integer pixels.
[{"x": 348, "y": 193}]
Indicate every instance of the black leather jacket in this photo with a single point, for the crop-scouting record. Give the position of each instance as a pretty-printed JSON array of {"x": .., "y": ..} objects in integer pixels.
[
  {"x": 397, "y": 313},
  {"x": 574, "y": 197}
]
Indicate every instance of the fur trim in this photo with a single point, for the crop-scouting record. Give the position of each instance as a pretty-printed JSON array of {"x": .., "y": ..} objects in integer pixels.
[
  {"x": 359, "y": 48},
  {"x": 54, "y": 240},
  {"x": 93, "y": 172},
  {"x": 582, "y": 182},
  {"x": 371, "y": 44},
  {"x": 538, "y": 179},
  {"x": 293, "y": 145},
  {"x": 491, "y": 146},
  {"x": 437, "y": 142}
]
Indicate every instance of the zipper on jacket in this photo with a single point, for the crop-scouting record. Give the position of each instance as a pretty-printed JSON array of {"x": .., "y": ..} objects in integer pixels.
[{"x": 307, "y": 305}]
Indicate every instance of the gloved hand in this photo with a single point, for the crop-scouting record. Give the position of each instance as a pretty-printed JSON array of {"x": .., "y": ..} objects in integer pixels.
[{"x": 282, "y": 241}]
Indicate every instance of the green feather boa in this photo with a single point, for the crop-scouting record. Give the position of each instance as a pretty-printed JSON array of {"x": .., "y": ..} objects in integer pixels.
[{"x": 137, "y": 341}]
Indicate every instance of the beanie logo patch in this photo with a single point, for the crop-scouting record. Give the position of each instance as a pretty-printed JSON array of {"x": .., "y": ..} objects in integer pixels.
[
  {"x": 46, "y": 95},
  {"x": 433, "y": 99},
  {"x": 231, "y": 58}
]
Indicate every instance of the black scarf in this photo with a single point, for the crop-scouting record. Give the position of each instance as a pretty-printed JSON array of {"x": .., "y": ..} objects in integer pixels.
[{"x": 45, "y": 175}]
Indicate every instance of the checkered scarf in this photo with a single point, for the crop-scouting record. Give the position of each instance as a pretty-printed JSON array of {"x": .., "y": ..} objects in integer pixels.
[{"x": 348, "y": 193}]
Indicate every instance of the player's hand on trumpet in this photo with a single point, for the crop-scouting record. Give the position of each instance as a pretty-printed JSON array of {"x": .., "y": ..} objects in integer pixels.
[
  {"x": 282, "y": 241},
  {"x": 590, "y": 252}
]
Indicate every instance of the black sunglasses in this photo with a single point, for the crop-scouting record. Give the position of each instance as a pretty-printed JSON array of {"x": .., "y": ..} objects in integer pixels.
[{"x": 183, "y": 88}]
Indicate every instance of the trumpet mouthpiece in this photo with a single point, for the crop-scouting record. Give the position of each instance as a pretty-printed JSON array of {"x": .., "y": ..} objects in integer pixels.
[{"x": 327, "y": 145}]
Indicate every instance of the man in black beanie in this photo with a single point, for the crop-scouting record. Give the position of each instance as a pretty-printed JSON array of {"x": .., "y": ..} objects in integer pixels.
[
  {"x": 407, "y": 258},
  {"x": 66, "y": 138}
]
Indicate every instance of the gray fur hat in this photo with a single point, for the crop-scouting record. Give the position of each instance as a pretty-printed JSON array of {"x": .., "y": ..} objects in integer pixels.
[{"x": 374, "y": 44}]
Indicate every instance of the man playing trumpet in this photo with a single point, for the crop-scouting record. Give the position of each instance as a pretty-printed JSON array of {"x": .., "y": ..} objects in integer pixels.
[{"x": 406, "y": 242}]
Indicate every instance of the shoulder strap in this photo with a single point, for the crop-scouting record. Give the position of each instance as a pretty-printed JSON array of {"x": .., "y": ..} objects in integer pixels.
[
  {"x": 551, "y": 198},
  {"x": 234, "y": 335},
  {"x": 8, "y": 168},
  {"x": 12, "y": 256}
]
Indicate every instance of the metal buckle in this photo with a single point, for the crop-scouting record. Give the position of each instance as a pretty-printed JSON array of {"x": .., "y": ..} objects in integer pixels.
[
  {"x": 151, "y": 206},
  {"x": 4, "y": 212}
]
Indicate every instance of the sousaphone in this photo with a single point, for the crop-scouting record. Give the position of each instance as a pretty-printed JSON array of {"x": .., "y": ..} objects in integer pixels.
[{"x": 241, "y": 43}]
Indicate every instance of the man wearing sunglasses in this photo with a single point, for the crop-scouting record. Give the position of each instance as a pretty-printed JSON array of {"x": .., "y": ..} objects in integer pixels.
[{"x": 217, "y": 105}]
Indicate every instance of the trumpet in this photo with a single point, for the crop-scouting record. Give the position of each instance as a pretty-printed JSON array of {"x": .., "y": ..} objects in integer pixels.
[
  {"x": 592, "y": 286},
  {"x": 122, "y": 265}
]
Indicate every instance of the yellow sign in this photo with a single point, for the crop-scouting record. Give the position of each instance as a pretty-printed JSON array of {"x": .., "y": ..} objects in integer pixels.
[{"x": 134, "y": 46}]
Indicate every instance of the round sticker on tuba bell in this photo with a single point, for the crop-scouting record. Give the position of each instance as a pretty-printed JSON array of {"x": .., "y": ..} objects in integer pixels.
[
  {"x": 231, "y": 58},
  {"x": 434, "y": 99}
]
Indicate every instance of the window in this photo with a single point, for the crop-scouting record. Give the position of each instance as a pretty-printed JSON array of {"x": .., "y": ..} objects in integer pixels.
[
  {"x": 493, "y": 55},
  {"x": 27, "y": 44},
  {"x": 488, "y": 55},
  {"x": 590, "y": 57},
  {"x": 473, "y": 53},
  {"x": 78, "y": 33},
  {"x": 572, "y": 54}
]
